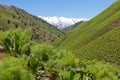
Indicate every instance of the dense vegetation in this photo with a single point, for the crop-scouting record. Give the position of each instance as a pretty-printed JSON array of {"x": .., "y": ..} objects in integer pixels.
[
  {"x": 26, "y": 59},
  {"x": 96, "y": 39},
  {"x": 13, "y": 17},
  {"x": 14, "y": 69}
]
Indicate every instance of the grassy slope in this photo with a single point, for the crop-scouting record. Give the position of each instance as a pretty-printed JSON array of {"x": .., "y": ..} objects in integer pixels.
[
  {"x": 83, "y": 39},
  {"x": 106, "y": 47},
  {"x": 12, "y": 17}
]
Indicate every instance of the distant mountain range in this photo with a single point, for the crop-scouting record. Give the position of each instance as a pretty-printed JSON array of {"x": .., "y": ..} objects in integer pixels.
[{"x": 63, "y": 22}]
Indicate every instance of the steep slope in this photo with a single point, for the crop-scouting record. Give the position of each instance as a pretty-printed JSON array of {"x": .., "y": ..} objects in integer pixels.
[
  {"x": 63, "y": 22},
  {"x": 96, "y": 39},
  {"x": 13, "y": 17}
]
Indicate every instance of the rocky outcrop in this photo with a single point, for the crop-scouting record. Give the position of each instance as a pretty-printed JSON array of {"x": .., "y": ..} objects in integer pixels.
[{"x": 2, "y": 49}]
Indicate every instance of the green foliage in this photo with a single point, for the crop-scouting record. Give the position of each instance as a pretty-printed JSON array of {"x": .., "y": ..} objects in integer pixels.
[
  {"x": 42, "y": 52},
  {"x": 93, "y": 70},
  {"x": 102, "y": 71},
  {"x": 59, "y": 65},
  {"x": 2, "y": 37},
  {"x": 68, "y": 60},
  {"x": 68, "y": 67},
  {"x": 14, "y": 69},
  {"x": 16, "y": 41},
  {"x": 33, "y": 63}
]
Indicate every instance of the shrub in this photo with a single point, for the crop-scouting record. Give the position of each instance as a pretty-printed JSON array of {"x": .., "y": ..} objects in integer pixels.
[
  {"x": 16, "y": 41},
  {"x": 33, "y": 63},
  {"x": 103, "y": 71},
  {"x": 42, "y": 52},
  {"x": 14, "y": 69}
]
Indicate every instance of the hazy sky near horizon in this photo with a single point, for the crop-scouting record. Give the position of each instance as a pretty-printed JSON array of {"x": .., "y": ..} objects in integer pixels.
[{"x": 65, "y": 8}]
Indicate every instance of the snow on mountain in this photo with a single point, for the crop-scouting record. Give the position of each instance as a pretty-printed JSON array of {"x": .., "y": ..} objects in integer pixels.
[{"x": 62, "y": 22}]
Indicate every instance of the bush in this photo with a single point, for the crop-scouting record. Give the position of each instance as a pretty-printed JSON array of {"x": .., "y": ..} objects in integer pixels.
[
  {"x": 14, "y": 69},
  {"x": 42, "y": 52},
  {"x": 17, "y": 42},
  {"x": 102, "y": 70},
  {"x": 33, "y": 63}
]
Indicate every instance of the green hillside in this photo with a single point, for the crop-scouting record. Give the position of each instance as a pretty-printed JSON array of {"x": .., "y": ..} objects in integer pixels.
[
  {"x": 23, "y": 57},
  {"x": 13, "y": 17},
  {"x": 96, "y": 39}
]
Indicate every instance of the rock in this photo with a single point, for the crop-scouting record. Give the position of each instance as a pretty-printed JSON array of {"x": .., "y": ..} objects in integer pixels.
[
  {"x": 78, "y": 70},
  {"x": 2, "y": 49}
]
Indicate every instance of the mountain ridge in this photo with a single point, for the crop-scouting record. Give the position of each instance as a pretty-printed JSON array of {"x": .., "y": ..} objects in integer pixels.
[
  {"x": 63, "y": 22},
  {"x": 12, "y": 17}
]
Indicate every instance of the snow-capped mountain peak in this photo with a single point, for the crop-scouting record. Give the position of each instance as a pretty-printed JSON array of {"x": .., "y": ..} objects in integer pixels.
[{"x": 62, "y": 22}]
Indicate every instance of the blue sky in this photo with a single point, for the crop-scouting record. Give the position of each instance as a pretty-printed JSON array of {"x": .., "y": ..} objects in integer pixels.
[{"x": 65, "y": 8}]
